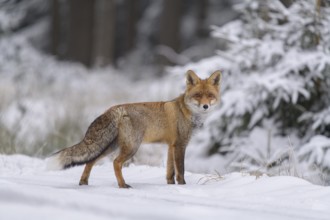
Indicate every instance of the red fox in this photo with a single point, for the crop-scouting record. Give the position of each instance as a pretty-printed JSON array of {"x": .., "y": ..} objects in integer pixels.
[{"x": 127, "y": 126}]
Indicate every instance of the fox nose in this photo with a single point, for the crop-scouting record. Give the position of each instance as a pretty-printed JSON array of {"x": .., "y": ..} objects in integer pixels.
[{"x": 205, "y": 107}]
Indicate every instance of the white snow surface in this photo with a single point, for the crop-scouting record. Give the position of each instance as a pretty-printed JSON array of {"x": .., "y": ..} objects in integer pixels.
[{"x": 28, "y": 190}]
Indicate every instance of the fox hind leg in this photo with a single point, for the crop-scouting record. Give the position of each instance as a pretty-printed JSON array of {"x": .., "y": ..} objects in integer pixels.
[
  {"x": 127, "y": 151},
  {"x": 118, "y": 165},
  {"x": 129, "y": 140},
  {"x": 88, "y": 167},
  {"x": 85, "y": 175}
]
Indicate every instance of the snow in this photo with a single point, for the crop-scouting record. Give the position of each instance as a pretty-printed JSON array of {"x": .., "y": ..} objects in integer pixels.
[
  {"x": 46, "y": 105},
  {"x": 316, "y": 151},
  {"x": 27, "y": 189}
]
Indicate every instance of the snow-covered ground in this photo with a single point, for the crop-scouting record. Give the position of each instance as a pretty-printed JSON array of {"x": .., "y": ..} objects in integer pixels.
[{"x": 28, "y": 191}]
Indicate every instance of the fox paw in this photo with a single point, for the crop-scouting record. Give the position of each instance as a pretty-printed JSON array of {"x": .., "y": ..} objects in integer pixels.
[
  {"x": 125, "y": 186},
  {"x": 83, "y": 182},
  {"x": 181, "y": 181}
]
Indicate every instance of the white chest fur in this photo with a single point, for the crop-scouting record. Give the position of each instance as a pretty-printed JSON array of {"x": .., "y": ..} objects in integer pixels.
[{"x": 198, "y": 120}]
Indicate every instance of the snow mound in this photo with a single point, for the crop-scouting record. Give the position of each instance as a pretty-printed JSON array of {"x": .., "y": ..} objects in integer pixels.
[{"x": 26, "y": 186}]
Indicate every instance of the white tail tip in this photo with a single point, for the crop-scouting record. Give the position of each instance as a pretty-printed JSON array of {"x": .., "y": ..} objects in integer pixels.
[{"x": 53, "y": 163}]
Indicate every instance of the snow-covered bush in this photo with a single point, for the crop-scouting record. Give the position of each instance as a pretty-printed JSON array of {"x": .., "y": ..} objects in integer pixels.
[
  {"x": 317, "y": 152},
  {"x": 17, "y": 14},
  {"x": 276, "y": 69}
]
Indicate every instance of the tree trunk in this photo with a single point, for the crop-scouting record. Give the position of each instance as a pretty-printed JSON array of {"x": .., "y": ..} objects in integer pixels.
[
  {"x": 131, "y": 24},
  {"x": 104, "y": 37},
  {"x": 80, "y": 34},
  {"x": 201, "y": 30},
  {"x": 170, "y": 24},
  {"x": 55, "y": 27}
]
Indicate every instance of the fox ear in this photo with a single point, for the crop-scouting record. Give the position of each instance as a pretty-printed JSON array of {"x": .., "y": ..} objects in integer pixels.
[
  {"x": 192, "y": 78},
  {"x": 215, "y": 78}
]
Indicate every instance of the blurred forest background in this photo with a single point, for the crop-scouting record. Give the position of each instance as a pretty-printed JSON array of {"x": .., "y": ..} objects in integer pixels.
[
  {"x": 103, "y": 32},
  {"x": 64, "y": 62},
  {"x": 121, "y": 33}
]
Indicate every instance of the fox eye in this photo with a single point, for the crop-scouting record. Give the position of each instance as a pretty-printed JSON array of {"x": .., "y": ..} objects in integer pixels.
[
  {"x": 211, "y": 96},
  {"x": 198, "y": 95}
]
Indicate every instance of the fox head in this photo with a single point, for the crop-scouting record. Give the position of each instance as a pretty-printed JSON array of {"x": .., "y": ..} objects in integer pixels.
[{"x": 202, "y": 94}]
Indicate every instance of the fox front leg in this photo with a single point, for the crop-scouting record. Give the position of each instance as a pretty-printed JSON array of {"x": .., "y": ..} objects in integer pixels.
[
  {"x": 179, "y": 153},
  {"x": 170, "y": 165}
]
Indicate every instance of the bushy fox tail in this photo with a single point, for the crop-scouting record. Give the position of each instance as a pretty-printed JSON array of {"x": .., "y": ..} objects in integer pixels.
[{"x": 101, "y": 135}]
